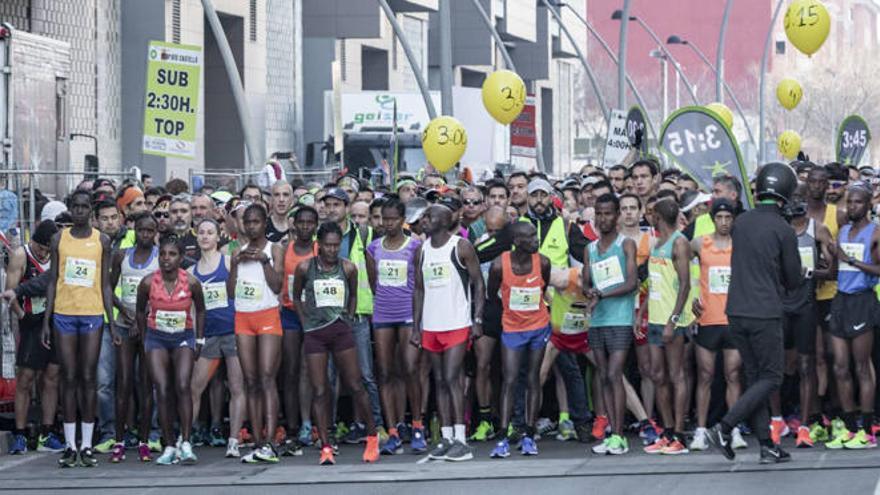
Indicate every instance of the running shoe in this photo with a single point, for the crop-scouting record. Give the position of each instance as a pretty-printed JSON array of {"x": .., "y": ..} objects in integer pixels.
[
  {"x": 778, "y": 429},
  {"x": 861, "y": 440},
  {"x": 721, "y": 441},
  {"x": 232, "y": 451},
  {"x": 600, "y": 425},
  {"x": 875, "y": 428},
  {"x": 773, "y": 455},
  {"x": 584, "y": 433},
  {"x": 838, "y": 441},
  {"x": 327, "y": 458},
  {"x": 186, "y": 454},
  {"x": 245, "y": 439},
  {"x": 459, "y": 452},
  {"x": 168, "y": 457},
  {"x": 404, "y": 431},
  {"x": 528, "y": 446},
  {"x": 701, "y": 439},
  {"x": 675, "y": 447},
  {"x": 544, "y": 426},
  {"x": 803, "y": 440},
  {"x": 838, "y": 426},
  {"x": 199, "y": 436},
  {"x": 618, "y": 445},
  {"x": 745, "y": 429},
  {"x": 818, "y": 432},
  {"x": 356, "y": 435},
  {"x": 117, "y": 455},
  {"x": 18, "y": 445},
  {"x": 657, "y": 447},
  {"x": 50, "y": 443},
  {"x": 417, "y": 443},
  {"x": 736, "y": 439},
  {"x": 154, "y": 444},
  {"x": 392, "y": 446},
  {"x": 217, "y": 438},
  {"x": 439, "y": 452},
  {"x": 514, "y": 434},
  {"x": 566, "y": 431},
  {"x": 87, "y": 458},
  {"x": 305, "y": 434},
  {"x": 382, "y": 433},
  {"x": 106, "y": 446},
  {"x": 144, "y": 453},
  {"x": 68, "y": 459},
  {"x": 266, "y": 454},
  {"x": 602, "y": 447},
  {"x": 501, "y": 450},
  {"x": 793, "y": 422},
  {"x": 371, "y": 450},
  {"x": 131, "y": 440},
  {"x": 291, "y": 448},
  {"x": 250, "y": 458},
  {"x": 485, "y": 431},
  {"x": 280, "y": 435},
  {"x": 340, "y": 430}
]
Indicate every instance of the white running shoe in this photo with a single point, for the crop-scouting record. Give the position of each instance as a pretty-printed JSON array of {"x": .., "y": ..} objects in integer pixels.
[{"x": 700, "y": 441}]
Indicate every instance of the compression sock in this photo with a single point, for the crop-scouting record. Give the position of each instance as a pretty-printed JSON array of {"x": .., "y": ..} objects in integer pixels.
[
  {"x": 564, "y": 416},
  {"x": 446, "y": 432},
  {"x": 485, "y": 414},
  {"x": 70, "y": 435},
  {"x": 850, "y": 419},
  {"x": 88, "y": 429},
  {"x": 460, "y": 433}
]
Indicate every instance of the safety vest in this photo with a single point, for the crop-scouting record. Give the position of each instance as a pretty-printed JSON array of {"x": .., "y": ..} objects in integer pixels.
[
  {"x": 126, "y": 242},
  {"x": 555, "y": 245},
  {"x": 704, "y": 225},
  {"x": 357, "y": 256}
]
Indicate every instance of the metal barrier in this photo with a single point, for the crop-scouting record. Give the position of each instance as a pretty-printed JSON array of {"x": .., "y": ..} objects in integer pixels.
[{"x": 233, "y": 180}]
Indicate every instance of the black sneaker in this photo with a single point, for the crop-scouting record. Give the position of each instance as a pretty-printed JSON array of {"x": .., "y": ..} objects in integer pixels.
[
  {"x": 721, "y": 442},
  {"x": 68, "y": 459},
  {"x": 291, "y": 448},
  {"x": 584, "y": 433},
  {"x": 87, "y": 458},
  {"x": 774, "y": 455},
  {"x": 459, "y": 452},
  {"x": 439, "y": 452}
]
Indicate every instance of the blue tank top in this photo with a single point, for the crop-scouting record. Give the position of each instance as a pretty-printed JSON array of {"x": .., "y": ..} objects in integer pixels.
[
  {"x": 851, "y": 280},
  {"x": 220, "y": 313},
  {"x": 607, "y": 272}
]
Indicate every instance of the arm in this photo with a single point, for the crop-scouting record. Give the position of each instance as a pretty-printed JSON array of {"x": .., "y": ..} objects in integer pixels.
[
  {"x": 50, "y": 290},
  {"x": 232, "y": 279},
  {"x": 274, "y": 272},
  {"x": 631, "y": 279},
  {"x": 545, "y": 271},
  {"x": 559, "y": 279},
  {"x": 351, "y": 277},
  {"x": 418, "y": 300},
  {"x": 198, "y": 297},
  {"x": 586, "y": 281},
  {"x": 872, "y": 269},
  {"x": 468, "y": 256},
  {"x": 790, "y": 262},
  {"x": 577, "y": 243},
  {"x": 371, "y": 271},
  {"x": 826, "y": 242},
  {"x": 299, "y": 284},
  {"x": 115, "y": 273},
  {"x": 492, "y": 247},
  {"x": 34, "y": 287},
  {"x": 681, "y": 255},
  {"x": 106, "y": 289},
  {"x": 14, "y": 272},
  {"x": 494, "y": 281},
  {"x": 143, "y": 297}
]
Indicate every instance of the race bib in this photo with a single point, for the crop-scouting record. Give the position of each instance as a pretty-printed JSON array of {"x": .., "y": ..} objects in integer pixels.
[
  {"x": 437, "y": 273},
  {"x": 80, "y": 272},
  {"x": 525, "y": 298},
  {"x": 393, "y": 273},
  {"x": 290, "y": 279},
  {"x": 807, "y": 257},
  {"x": 607, "y": 273},
  {"x": 170, "y": 321},
  {"x": 719, "y": 279},
  {"x": 574, "y": 323},
  {"x": 329, "y": 293},
  {"x": 129, "y": 288},
  {"x": 654, "y": 288},
  {"x": 38, "y": 305},
  {"x": 215, "y": 295},
  {"x": 246, "y": 290},
  {"x": 851, "y": 249}
]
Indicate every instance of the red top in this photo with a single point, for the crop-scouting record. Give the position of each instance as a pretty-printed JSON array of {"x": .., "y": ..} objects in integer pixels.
[
  {"x": 170, "y": 313},
  {"x": 523, "y": 297},
  {"x": 291, "y": 261}
]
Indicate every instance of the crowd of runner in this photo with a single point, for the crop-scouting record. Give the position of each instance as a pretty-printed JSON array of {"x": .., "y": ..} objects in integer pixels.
[{"x": 523, "y": 309}]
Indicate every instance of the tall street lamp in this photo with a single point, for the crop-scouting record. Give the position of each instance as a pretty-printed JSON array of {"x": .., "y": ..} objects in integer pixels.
[
  {"x": 762, "y": 147},
  {"x": 677, "y": 40},
  {"x": 621, "y": 54}
]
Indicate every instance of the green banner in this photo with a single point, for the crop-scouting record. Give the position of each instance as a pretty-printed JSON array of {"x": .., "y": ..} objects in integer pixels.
[{"x": 172, "y": 99}]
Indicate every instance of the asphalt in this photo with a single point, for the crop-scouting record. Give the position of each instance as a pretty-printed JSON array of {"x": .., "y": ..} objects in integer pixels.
[{"x": 560, "y": 468}]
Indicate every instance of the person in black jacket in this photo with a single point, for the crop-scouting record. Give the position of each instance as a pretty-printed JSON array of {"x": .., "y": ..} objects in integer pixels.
[{"x": 764, "y": 264}]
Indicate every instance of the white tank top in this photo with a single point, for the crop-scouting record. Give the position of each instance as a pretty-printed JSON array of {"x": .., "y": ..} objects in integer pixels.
[
  {"x": 130, "y": 276},
  {"x": 252, "y": 292},
  {"x": 447, "y": 288}
]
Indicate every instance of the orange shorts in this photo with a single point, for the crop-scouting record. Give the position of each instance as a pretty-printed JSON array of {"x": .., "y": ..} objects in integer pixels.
[
  {"x": 443, "y": 341},
  {"x": 263, "y": 322}
]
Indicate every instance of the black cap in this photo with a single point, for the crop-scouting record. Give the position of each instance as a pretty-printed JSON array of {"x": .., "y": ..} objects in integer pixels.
[
  {"x": 722, "y": 204},
  {"x": 45, "y": 230},
  {"x": 337, "y": 193},
  {"x": 450, "y": 202}
]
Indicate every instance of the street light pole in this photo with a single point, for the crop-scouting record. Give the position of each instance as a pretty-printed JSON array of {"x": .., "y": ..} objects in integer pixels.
[
  {"x": 719, "y": 64},
  {"x": 446, "y": 57},
  {"x": 762, "y": 148},
  {"x": 621, "y": 56},
  {"x": 664, "y": 80}
]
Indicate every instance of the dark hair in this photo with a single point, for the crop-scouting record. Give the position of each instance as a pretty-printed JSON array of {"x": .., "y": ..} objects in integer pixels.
[
  {"x": 327, "y": 228},
  {"x": 651, "y": 164},
  {"x": 78, "y": 192},
  {"x": 106, "y": 203},
  {"x": 633, "y": 196},
  {"x": 518, "y": 173},
  {"x": 836, "y": 171},
  {"x": 177, "y": 186},
  {"x": 688, "y": 177},
  {"x": 730, "y": 181},
  {"x": 137, "y": 217},
  {"x": 155, "y": 191},
  {"x": 257, "y": 207},
  {"x": 667, "y": 193},
  {"x": 171, "y": 239},
  {"x": 497, "y": 184},
  {"x": 609, "y": 198},
  {"x": 670, "y": 173},
  {"x": 146, "y": 176},
  {"x": 393, "y": 202},
  {"x": 667, "y": 210},
  {"x": 378, "y": 202},
  {"x": 603, "y": 183},
  {"x": 618, "y": 167},
  {"x": 300, "y": 209},
  {"x": 249, "y": 185}
]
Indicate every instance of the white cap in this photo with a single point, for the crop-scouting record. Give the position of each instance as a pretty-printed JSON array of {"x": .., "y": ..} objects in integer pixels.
[{"x": 51, "y": 210}]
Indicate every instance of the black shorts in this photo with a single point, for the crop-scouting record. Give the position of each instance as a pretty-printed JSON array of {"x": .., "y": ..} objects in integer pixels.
[
  {"x": 335, "y": 337},
  {"x": 853, "y": 314},
  {"x": 799, "y": 330},
  {"x": 610, "y": 339},
  {"x": 31, "y": 353},
  {"x": 492, "y": 320},
  {"x": 714, "y": 337},
  {"x": 823, "y": 310}
]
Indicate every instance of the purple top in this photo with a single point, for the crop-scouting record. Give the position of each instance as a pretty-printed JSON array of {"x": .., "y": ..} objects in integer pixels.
[{"x": 395, "y": 281}]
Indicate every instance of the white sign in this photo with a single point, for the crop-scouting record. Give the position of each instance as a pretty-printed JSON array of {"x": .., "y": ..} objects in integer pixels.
[
  {"x": 376, "y": 109},
  {"x": 616, "y": 142}
]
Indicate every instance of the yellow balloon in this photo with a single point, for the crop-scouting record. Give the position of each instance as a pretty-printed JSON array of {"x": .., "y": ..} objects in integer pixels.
[
  {"x": 807, "y": 24},
  {"x": 789, "y": 144},
  {"x": 789, "y": 93},
  {"x": 723, "y": 113},
  {"x": 504, "y": 95},
  {"x": 444, "y": 142}
]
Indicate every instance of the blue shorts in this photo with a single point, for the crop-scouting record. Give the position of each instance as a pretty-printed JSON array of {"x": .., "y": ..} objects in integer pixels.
[
  {"x": 533, "y": 339},
  {"x": 290, "y": 321},
  {"x": 655, "y": 334},
  {"x": 77, "y": 325},
  {"x": 155, "y": 340}
]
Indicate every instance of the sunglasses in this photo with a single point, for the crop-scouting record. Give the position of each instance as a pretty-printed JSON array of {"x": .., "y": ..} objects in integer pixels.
[
  {"x": 161, "y": 214},
  {"x": 836, "y": 184},
  {"x": 472, "y": 202}
]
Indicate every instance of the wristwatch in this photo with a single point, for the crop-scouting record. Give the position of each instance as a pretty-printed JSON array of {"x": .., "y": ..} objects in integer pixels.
[
  {"x": 478, "y": 321},
  {"x": 675, "y": 318},
  {"x": 200, "y": 341}
]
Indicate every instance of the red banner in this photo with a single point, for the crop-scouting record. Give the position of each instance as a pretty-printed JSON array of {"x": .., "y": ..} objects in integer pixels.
[{"x": 523, "y": 132}]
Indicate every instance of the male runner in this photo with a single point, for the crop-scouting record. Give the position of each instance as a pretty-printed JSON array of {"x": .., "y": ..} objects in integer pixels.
[{"x": 282, "y": 200}]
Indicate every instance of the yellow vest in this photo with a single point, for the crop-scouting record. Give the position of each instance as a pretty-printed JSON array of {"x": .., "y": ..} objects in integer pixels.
[
  {"x": 78, "y": 290},
  {"x": 826, "y": 290},
  {"x": 356, "y": 256},
  {"x": 555, "y": 245},
  {"x": 704, "y": 225}
]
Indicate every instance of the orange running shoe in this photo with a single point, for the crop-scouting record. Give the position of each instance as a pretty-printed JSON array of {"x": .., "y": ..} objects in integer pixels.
[
  {"x": 674, "y": 447},
  {"x": 327, "y": 458},
  {"x": 371, "y": 451},
  {"x": 657, "y": 447},
  {"x": 803, "y": 440},
  {"x": 777, "y": 430},
  {"x": 600, "y": 424},
  {"x": 280, "y": 435},
  {"x": 245, "y": 439}
]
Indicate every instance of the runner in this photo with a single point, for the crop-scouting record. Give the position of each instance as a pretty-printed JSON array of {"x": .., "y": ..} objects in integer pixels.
[
  {"x": 854, "y": 318},
  {"x": 129, "y": 267},
  {"x": 282, "y": 200},
  {"x": 212, "y": 271},
  {"x": 171, "y": 344},
  {"x": 392, "y": 277},
  {"x": 255, "y": 281},
  {"x": 610, "y": 281},
  {"x": 325, "y": 295},
  {"x": 521, "y": 276},
  {"x": 447, "y": 282},
  {"x": 78, "y": 298}
]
